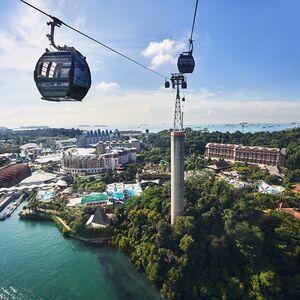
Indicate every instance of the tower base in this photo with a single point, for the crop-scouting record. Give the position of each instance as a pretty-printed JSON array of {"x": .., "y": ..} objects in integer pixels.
[{"x": 177, "y": 174}]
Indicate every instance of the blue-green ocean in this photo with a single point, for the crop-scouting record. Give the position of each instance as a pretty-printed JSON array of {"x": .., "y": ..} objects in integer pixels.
[{"x": 37, "y": 262}]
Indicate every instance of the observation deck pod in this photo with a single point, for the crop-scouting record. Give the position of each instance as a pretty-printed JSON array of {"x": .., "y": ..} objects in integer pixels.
[
  {"x": 186, "y": 63},
  {"x": 62, "y": 75}
]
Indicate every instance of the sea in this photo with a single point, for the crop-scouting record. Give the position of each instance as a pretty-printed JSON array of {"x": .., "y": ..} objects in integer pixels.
[
  {"x": 37, "y": 262},
  {"x": 243, "y": 127}
]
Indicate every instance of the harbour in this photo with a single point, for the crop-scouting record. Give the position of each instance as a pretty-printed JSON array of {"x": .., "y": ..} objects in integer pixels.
[{"x": 9, "y": 203}]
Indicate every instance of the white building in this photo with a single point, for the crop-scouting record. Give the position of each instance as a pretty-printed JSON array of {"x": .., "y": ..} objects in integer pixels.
[
  {"x": 86, "y": 161},
  {"x": 66, "y": 144}
]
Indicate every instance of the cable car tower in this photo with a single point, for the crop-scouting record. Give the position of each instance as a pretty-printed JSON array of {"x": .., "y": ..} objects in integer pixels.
[
  {"x": 185, "y": 64},
  {"x": 178, "y": 81}
]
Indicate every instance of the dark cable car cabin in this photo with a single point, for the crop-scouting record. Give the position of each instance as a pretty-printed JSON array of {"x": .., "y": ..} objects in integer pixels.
[
  {"x": 62, "y": 75},
  {"x": 186, "y": 62}
]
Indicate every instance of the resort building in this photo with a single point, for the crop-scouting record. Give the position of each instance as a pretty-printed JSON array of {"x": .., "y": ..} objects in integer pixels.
[
  {"x": 131, "y": 143},
  {"x": 86, "y": 161},
  {"x": 263, "y": 187},
  {"x": 66, "y": 144},
  {"x": 115, "y": 192},
  {"x": 93, "y": 199},
  {"x": 39, "y": 178},
  {"x": 102, "y": 139},
  {"x": 123, "y": 191},
  {"x": 13, "y": 174},
  {"x": 130, "y": 133},
  {"x": 93, "y": 137},
  {"x": 250, "y": 154},
  {"x": 99, "y": 219}
]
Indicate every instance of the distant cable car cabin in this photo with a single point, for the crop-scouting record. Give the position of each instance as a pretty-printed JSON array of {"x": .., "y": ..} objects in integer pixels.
[
  {"x": 186, "y": 62},
  {"x": 62, "y": 75}
]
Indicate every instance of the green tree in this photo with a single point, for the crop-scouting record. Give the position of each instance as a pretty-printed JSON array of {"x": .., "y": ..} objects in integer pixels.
[{"x": 264, "y": 285}]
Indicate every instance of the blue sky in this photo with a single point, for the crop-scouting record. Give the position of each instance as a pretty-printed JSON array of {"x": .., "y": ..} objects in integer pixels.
[{"x": 247, "y": 61}]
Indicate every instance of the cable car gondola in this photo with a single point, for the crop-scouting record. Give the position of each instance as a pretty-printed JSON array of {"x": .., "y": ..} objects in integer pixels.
[
  {"x": 62, "y": 75},
  {"x": 186, "y": 62}
]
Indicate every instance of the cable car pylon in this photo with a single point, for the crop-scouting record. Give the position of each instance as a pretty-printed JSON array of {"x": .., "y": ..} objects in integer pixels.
[
  {"x": 178, "y": 81},
  {"x": 185, "y": 64}
]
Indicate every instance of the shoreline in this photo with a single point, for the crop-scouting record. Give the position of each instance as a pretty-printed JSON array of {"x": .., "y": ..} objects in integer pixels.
[{"x": 62, "y": 226}]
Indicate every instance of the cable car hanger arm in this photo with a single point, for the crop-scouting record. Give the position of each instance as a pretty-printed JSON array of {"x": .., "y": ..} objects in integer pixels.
[{"x": 50, "y": 36}]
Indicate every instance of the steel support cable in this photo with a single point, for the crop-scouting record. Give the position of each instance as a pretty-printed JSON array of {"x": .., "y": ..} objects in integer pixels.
[
  {"x": 194, "y": 19},
  {"x": 193, "y": 25},
  {"x": 58, "y": 21}
]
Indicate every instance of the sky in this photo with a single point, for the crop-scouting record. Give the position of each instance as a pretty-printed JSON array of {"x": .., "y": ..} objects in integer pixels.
[{"x": 247, "y": 57}]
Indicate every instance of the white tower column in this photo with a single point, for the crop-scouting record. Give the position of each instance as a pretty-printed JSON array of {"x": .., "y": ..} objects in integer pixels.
[{"x": 177, "y": 174}]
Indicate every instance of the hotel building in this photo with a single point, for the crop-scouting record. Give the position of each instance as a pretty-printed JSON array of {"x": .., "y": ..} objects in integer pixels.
[
  {"x": 86, "y": 161},
  {"x": 250, "y": 154}
]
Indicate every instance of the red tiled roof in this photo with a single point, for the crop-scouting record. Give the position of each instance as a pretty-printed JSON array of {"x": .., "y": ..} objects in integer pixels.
[
  {"x": 296, "y": 187},
  {"x": 292, "y": 212}
]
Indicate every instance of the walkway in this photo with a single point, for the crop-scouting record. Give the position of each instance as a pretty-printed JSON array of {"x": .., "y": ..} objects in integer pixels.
[{"x": 64, "y": 223}]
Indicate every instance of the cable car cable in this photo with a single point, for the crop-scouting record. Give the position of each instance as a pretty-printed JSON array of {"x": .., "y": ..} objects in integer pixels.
[
  {"x": 58, "y": 21},
  {"x": 194, "y": 19},
  {"x": 186, "y": 62}
]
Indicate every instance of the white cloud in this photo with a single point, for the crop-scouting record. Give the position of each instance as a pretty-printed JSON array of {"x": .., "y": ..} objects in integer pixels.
[
  {"x": 107, "y": 86},
  {"x": 24, "y": 40},
  {"x": 153, "y": 107},
  {"x": 160, "y": 59},
  {"x": 163, "y": 52},
  {"x": 234, "y": 110}
]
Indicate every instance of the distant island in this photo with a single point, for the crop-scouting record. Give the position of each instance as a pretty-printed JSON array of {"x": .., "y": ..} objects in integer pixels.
[{"x": 34, "y": 127}]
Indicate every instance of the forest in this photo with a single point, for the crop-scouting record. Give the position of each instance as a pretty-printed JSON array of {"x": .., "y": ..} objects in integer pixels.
[{"x": 230, "y": 244}]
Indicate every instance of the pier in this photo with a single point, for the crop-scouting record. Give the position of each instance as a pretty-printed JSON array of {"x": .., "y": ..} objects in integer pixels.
[{"x": 10, "y": 203}]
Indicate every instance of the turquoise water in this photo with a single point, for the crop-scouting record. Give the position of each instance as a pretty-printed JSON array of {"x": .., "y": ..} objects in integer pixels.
[
  {"x": 131, "y": 192},
  {"x": 120, "y": 194},
  {"x": 48, "y": 195},
  {"x": 37, "y": 262}
]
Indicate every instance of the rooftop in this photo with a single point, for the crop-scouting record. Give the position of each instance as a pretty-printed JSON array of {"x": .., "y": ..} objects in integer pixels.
[
  {"x": 241, "y": 146},
  {"x": 80, "y": 152},
  {"x": 94, "y": 197},
  {"x": 99, "y": 218},
  {"x": 28, "y": 146},
  {"x": 38, "y": 177}
]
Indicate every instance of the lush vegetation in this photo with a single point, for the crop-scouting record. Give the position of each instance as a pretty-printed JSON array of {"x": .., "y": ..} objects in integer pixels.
[
  {"x": 254, "y": 173},
  {"x": 228, "y": 245},
  {"x": 90, "y": 185},
  {"x": 127, "y": 175},
  {"x": 28, "y": 135}
]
